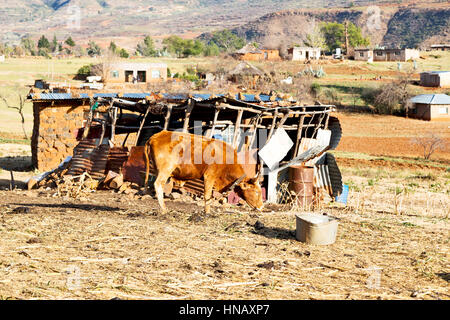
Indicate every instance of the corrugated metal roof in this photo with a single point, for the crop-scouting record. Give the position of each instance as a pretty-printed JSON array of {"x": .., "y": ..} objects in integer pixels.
[
  {"x": 431, "y": 99},
  {"x": 142, "y": 95},
  {"x": 436, "y": 72}
]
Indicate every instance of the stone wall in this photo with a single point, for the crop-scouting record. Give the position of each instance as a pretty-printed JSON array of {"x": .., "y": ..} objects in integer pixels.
[{"x": 54, "y": 132}]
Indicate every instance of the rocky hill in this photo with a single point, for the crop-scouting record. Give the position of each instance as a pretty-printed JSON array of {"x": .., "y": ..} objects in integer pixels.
[
  {"x": 387, "y": 25},
  {"x": 114, "y": 18}
]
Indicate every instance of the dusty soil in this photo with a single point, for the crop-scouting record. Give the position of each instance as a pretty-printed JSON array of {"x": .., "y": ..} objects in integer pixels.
[
  {"x": 109, "y": 245},
  {"x": 390, "y": 135}
]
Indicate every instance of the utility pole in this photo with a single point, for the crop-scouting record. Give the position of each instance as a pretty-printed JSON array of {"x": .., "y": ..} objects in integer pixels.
[{"x": 346, "y": 37}]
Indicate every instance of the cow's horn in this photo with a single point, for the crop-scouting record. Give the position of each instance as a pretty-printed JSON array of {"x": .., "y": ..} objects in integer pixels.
[{"x": 239, "y": 180}]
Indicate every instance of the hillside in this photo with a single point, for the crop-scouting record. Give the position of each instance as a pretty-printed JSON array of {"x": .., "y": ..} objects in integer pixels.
[
  {"x": 404, "y": 26},
  {"x": 116, "y": 18}
]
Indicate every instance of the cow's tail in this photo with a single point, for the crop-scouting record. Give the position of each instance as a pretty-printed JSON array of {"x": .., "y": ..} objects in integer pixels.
[{"x": 147, "y": 164}]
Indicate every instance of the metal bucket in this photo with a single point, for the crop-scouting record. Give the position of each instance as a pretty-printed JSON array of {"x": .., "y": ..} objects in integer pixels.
[
  {"x": 316, "y": 229},
  {"x": 301, "y": 182}
]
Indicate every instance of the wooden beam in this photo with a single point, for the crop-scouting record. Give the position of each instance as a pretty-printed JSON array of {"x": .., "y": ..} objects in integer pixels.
[
  {"x": 167, "y": 117},
  {"x": 142, "y": 125},
  {"x": 213, "y": 127},
  {"x": 191, "y": 104},
  {"x": 299, "y": 134},
  {"x": 237, "y": 127}
]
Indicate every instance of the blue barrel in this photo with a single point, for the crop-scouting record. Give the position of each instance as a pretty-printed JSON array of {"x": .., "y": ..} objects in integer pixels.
[{"x": 342, "y": 198}]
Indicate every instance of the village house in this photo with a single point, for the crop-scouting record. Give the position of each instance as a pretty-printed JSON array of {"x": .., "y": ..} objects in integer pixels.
[
  {"x": 430, "y": 107},
  {"x": 363, "y": 54},
  {"x": 395, "y": 54},
  {"x": 251, "y": 53},
  {"x": 137, "y": 72},
  {"x": 441, "y": 47},
  {"x": 439, "y": 79},
  {"x": 303, "y": 53},
  {"x": 369, "y": 55}
]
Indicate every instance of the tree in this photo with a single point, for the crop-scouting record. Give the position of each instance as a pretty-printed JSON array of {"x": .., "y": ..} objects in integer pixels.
[
  {"x": 183, "y": 47},
  {"x": 123, "y": 53},
  {"x": 19, "y": 108},
  {"x": 113, "y": 47},
  {"x": 334, "y": 34},
  {"x": 69, "y": 41},
  {"x": 93, "y": 49},
  {"x": 211, "y": 50},
  {"x": 429, "y": 143},
  {"x": 28, "y": 46},
  {"x": 43, "y": 43},
  {"x": 315, "y": 39},
  {"x": 226, "y": 40},
  {"x": 54, "y": 45},
  {"x": 146, "y": 48}
]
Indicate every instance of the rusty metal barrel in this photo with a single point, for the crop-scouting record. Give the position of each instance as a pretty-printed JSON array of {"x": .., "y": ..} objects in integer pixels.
[{"x": 301, "y": 184}]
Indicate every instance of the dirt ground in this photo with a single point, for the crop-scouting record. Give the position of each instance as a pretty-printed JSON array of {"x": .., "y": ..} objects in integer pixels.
[
  {"x": 390, "y": 135},
  {"x": 110, "y": 245}
]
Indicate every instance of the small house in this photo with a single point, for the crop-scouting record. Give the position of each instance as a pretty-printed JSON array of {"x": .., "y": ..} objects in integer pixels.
[
  {"x": 440, "y": 47},
  {"x": 303, "y": 53},
  {"x": 137, "y": 72},
  {"x": 430, "y": 107},
  {"x": 364, "y": 54},
  {"x": 251, "y": 53},
  {"x": 395, "y": 54},
  {"x": 439, "y": 79}
]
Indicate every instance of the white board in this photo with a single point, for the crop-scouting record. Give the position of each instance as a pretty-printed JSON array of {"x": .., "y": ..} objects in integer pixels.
[{"x": 276, "y": 149}]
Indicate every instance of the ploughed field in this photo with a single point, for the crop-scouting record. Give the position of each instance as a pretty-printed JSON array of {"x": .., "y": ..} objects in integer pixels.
[{"x": 391, "y": 244}]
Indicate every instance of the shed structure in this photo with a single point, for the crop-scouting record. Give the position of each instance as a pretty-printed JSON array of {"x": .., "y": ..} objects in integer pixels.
[
  {"x": 439, "y": 79},
  {"x": 430, "y": 107}
]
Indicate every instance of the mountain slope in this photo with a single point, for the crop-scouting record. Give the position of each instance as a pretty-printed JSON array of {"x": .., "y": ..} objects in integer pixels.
[
  {"x": 392, "y": 26},
  {"x": 108, "y": 18}
]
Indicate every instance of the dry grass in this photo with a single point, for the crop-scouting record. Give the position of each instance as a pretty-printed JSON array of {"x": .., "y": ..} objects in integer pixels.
[{"x": 109, "y": 245}]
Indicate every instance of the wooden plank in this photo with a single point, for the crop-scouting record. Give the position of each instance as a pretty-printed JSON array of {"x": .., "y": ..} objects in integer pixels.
[
  {"x": 190, "y": 107},
  {"x": 237, "y": 127}
]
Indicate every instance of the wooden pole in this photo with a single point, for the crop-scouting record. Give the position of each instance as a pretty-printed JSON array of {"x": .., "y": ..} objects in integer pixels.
[
  {"x": 299, "y": 134},
  {"x": 190, "y": 106},
  {"x": 142, "y": 124},
  {"x": 237, "y": 127},
  {"x": 167, "y": 117},
  {"x": 216, "y": 115}
]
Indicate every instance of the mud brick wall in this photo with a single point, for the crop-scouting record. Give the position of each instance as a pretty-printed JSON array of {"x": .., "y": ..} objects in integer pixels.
[{"x": 54, "y": 131}]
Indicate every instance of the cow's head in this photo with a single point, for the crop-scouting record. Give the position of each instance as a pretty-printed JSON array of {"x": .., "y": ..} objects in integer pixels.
[{"x": 250, "y": 191}]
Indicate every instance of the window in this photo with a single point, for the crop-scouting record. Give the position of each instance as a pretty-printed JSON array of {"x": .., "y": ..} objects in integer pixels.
[
  {"x": 156, "y": 74},
  {"x": 443, "y": 110},
  {"x": 379, "y": 53},
  {"x": 142, "y": 76},
  {"x": 361, "y": 54},
  {"x": 397, "y": 53},
  {"x": 115, "y": 74},
  {"x": 128, "y": 76}
]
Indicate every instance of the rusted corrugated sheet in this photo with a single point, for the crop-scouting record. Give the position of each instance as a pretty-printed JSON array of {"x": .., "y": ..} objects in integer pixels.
[
  {"x": 335, "y": 175},
  {"x": 336, "y": 132},
  {"x": 134, "y": 166},
  {"x": 81, "y": 160},
  {"x": 193, "y": 186},
  {"x": 328, "y": 176},
  {"x": 99, "y": 159},
  {"x": 116, "y": 159}
]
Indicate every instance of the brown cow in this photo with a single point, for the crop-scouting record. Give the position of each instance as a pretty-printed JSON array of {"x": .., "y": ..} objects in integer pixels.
[{"x": 184, "y": 156}]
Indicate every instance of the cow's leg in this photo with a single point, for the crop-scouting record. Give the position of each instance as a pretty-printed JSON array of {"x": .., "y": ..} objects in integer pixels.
[
  {"x": 159, "y": 188},
  {"x": 208, "y": 195}
]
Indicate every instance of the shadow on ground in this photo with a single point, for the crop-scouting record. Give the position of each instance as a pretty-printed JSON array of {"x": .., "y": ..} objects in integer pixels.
[
  {"x": 85, "y": 207},
  {"x": 16, "y": 163},
  {"x": 275, "y": 233}
]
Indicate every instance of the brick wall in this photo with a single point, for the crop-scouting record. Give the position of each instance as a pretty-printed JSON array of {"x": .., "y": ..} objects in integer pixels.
[{"x": 54, "y": 131}]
